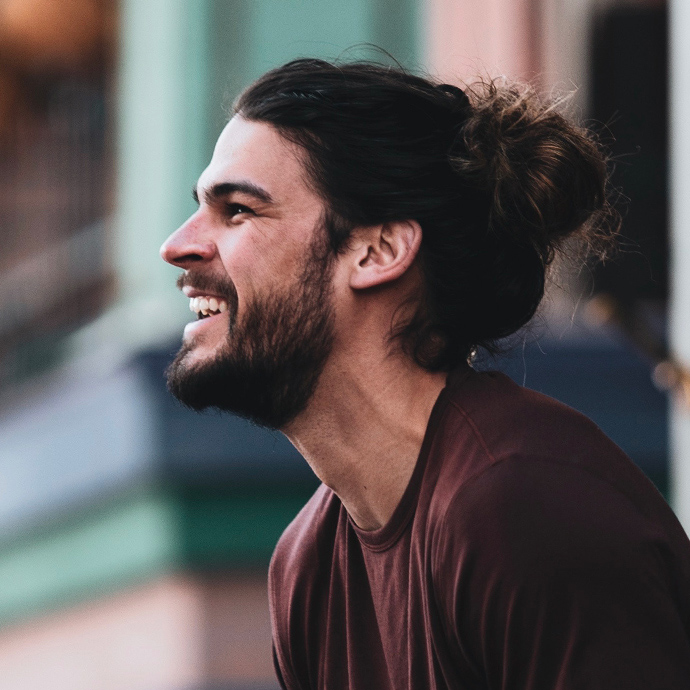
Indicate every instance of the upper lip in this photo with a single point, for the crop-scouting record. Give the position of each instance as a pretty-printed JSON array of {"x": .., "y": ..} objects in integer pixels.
[{"x": 192, "y": 292}]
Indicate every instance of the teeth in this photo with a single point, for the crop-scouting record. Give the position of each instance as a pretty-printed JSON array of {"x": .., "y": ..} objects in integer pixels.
[{"x": 207, "y": 305}]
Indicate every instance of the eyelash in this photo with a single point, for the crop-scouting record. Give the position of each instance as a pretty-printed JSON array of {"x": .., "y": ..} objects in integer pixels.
[{"x": 232, "y": 210}]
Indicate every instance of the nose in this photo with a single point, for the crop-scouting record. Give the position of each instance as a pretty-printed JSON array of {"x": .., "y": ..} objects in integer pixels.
[{"x": 187, "y": 245}]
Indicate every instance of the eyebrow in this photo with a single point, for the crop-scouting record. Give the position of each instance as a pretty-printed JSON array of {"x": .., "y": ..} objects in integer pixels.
[{"x": 223, "y": 189}]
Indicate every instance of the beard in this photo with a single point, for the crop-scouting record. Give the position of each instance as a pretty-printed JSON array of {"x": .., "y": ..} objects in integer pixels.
[{"x": 269, "y": 365}]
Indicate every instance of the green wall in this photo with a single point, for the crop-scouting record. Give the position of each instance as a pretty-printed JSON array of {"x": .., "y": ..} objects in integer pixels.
[
  {"x": 249, "y": 37},
  {"x": 141, "y": 534}
]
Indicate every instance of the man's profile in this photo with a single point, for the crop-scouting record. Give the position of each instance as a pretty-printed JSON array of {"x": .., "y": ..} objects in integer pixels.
[{"x": 360, "y": 232}]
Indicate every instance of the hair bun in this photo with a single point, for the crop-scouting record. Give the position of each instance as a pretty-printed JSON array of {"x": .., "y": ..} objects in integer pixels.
[
  {"x": 547, "y": 178},
  {"x": 460, "y": 101}
]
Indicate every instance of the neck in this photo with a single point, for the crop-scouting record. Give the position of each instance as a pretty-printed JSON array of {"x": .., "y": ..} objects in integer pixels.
[{"x": 362, "y": 432}]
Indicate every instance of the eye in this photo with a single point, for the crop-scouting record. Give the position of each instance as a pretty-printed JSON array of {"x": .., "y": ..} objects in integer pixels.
[{"x": 232, "y": 210}]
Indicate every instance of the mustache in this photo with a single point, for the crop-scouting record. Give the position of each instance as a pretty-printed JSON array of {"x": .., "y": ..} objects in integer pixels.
[{"x": 221, "y": 286}]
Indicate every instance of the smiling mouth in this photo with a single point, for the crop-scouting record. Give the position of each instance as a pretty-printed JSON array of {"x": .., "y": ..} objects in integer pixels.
[{"x": 207, "y": 306}]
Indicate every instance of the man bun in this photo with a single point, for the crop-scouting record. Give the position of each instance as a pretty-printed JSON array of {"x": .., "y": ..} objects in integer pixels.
[
  {"x": 547, "y": 176},
  {"x": 545, "y": 181},
  {"x": 497, "y": 177}
]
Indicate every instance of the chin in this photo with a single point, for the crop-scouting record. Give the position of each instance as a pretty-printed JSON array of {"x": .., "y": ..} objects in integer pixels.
[
  {"x": 267, "y": 376},
  {"x": 194, "y": 355}
]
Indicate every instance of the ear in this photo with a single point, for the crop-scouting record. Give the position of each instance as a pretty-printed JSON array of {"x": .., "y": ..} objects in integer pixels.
[{"x": 384, "y": 252}]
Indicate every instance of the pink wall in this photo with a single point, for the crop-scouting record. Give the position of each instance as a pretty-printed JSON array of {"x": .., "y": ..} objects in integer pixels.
[
  {"x": 467, "y": 38},
  {"x": 171, "y": 634}
]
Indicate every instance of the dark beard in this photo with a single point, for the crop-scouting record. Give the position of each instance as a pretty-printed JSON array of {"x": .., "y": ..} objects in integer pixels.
[{"x": 269, "y": 367}]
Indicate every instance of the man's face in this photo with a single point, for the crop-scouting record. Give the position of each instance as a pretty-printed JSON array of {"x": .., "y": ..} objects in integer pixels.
[{"x": 256, "y": 260}]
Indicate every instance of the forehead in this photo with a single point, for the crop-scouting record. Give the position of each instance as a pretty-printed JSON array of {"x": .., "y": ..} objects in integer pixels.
[{"x": 255, "y": 152}]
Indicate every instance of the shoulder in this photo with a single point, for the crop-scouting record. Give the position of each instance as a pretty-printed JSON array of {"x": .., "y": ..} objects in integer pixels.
[
  {"x": 532, "y": 489},
  {"x": 302, "y": 544},
  {"x": 297, "y": 575},
  {"x": 534, "y": 557},
  {"x": 539, "y": 526},
  {"x": 527, "y": 513},
  {"x": 511, "y": 418},
  {"x": 490, "y": 420},
  {"x": 302, "y": 560}
]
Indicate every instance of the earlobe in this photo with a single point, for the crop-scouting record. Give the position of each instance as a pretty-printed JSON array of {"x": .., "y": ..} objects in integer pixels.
[{"x": 385, "y": 253}]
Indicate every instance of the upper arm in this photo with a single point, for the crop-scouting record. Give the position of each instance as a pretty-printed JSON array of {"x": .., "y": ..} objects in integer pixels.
[{"x": 550, "y": 578}]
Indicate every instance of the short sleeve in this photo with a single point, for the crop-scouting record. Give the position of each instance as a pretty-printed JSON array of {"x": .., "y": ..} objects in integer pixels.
[{"x": 549, "y": 578}]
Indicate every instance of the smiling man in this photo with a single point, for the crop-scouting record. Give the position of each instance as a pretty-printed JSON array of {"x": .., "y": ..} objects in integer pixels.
[
  {"x": 268, "y": 266},
  {"x": 360, "y": 233}
]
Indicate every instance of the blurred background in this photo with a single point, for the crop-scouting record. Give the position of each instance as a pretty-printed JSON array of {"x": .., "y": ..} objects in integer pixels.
[{"x": 134, "y": 535}]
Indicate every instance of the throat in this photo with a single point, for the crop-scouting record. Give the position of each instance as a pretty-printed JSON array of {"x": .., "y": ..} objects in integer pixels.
[{"x": 362, "y": 435}]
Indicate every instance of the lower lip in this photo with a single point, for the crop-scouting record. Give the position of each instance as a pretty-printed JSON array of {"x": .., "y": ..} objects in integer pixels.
[{"x": 194, "y": 327}]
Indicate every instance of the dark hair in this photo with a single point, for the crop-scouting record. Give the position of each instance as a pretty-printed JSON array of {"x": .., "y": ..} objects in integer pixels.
[{"x": 496, "y": 177}]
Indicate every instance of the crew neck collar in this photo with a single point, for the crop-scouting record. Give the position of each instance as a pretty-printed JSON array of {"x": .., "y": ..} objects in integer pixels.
[{"x": 385, "y": 537}]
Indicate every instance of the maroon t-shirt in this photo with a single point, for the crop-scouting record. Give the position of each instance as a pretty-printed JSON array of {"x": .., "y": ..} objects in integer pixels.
[{"x": 527, "y": 553}]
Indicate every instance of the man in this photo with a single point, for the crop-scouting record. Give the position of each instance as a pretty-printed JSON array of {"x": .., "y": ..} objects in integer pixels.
[{"x": 360, "y": 233}]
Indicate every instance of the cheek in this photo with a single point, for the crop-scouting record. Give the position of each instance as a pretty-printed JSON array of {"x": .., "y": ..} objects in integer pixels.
[
  {"x": 257, "y": 266},
  {"x": 267, "y": 254}
]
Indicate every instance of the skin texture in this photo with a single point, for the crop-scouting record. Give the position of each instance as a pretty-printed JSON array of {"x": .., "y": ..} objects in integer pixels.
[{"x": 362, "y": 426}]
